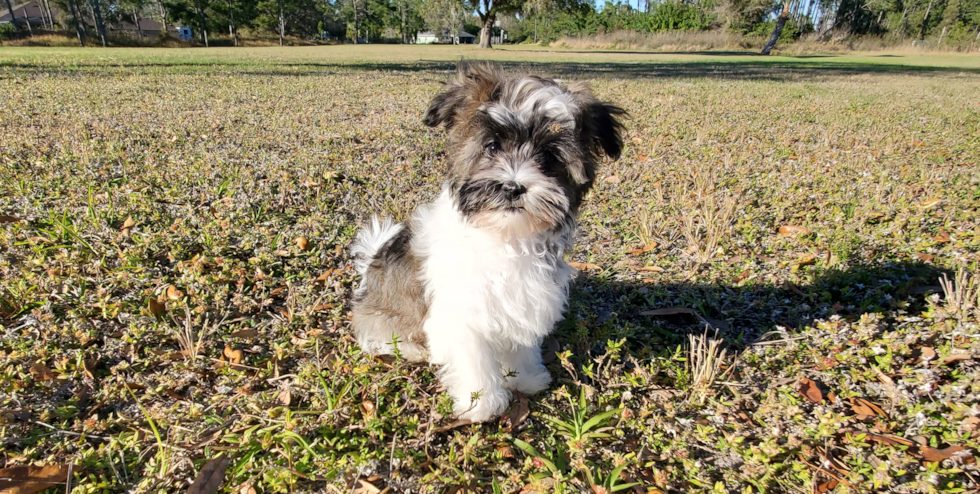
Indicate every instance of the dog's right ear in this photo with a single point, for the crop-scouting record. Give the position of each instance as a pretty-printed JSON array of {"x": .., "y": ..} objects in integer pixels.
[{"x": 475, "y": 84}]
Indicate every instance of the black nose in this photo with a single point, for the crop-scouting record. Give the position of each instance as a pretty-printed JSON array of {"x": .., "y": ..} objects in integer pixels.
[{"x": 512, "y": 190}]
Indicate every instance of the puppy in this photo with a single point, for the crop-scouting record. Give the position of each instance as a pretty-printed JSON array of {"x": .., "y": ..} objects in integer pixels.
[{"x": 475, "y": 280}]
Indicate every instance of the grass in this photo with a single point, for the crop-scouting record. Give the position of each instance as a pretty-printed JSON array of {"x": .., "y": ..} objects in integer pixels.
[{"x": 153, "y": 196}]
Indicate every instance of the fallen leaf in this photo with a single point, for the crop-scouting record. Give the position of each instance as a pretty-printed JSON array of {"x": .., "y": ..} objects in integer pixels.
[
  {"x": 88, "y": 366},
  {"x": 210, "y": 477},
  {"x": 942, "y": 237},
  {"x": 323, "y": 277},
  {"x": 937, "y": 455},
  {"x": 244, "y": 333},
  {"x": 922, "y": 256},
  {"x": 807, "y": 260},
  {"x": 927, "y": 353},
  {"x": 246, "y": 488},
  {"x": 303, "y": 243},
  {"x": 173, "y": 293},
  {"x": 652, "y": 269},
  {"x": 519, "y": 411},
  {"x": 233, "y": 356},
  {"x": 454, "y": 424},
  {"x": 30, "y": 479},
  {"x": 41, "y": 372},
  {"x": 931, "y": 203},
  {"x": 365, "y": 487},
  {"x": 792, "y": 229},
  {"x": 135, "y": 386},
  {"x": 324, "y": 307},
  {"x": 5, "y": 218},
  {"x": 175, "y": 395},
  {"x": 128, "y": 224},
  {"x": 367, "y": 408},
  {"x": 888, "y": 440},
  {"x": 284, "y": 398},
  {"x": 810, "y": 390},
  {"x": 155, "y": 307},
  {"x": 611, "y": 179},
  {"x": 646, "y": 248},
  {"x": 970, "y": 424},
  {"x": 671, "y": 311},
  {"x": 955, "y": 357},
  {"x": 505, "y": 451},
  {"x": 827, "y": 486},
  {"x": 860, "y": 406},
  {"x": 585, "y": 266}
]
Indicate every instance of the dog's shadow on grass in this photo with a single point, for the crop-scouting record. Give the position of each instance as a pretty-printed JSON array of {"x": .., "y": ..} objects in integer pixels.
[{"x": 603, "y": 309}]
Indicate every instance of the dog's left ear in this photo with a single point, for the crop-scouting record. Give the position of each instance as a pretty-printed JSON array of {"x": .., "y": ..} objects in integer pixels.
[
  {"x": 600, "y": 131},
  {"x": 476, "y": 82}
]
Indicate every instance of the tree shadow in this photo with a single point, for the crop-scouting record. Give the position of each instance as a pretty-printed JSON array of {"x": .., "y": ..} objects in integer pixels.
[
  {"x": 807, "y": 67},
  {"x": 602, "y": 308}
]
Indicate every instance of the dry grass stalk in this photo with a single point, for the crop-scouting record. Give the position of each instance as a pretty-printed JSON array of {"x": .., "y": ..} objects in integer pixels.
[
  {"x": 962, "y": 293},
  {"x": 189, "y": 340},
  {"x": 709, "y": 215},
  {"x": 705, "y": 358}
]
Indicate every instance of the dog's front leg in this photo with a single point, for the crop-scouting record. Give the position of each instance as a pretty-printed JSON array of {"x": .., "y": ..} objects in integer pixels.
[
  {"x": 527, "y": 373},
  {"x": 469, "y": 370}
]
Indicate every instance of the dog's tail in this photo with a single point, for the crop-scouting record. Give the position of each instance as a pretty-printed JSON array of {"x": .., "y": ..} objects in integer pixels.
[{"x": 370, "y": 240}]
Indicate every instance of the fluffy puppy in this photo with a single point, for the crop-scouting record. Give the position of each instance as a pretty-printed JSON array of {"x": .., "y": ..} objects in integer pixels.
[{"x": 475, "y": 280}]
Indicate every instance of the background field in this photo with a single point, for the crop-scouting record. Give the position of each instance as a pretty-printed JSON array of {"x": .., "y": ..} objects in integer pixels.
[{"x": 147, "y": 194}]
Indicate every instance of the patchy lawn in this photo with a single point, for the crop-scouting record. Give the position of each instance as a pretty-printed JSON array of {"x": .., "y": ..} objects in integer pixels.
[{"x": 174, "y": 282}]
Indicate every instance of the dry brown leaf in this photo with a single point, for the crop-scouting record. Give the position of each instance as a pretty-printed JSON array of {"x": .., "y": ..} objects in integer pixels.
[
  {"x": 807, "y": 260},
  {"x": 155, "y": 307},
  {"x": 942, "y": 237},
  {"x": 173, "y": 293},
  {"x": 931, "y": 203},
  {"x": 30, "y": 479},
  {"x": 886, "y": 439},
  {"x": 246, "y": 488},
  {"x": 810, "y": 390},
  {"x": 6, "y": 218},
  {"x": 792, "y": 230},
  {"x": 135, "y": 386},
  {"x": 646, "y": 248},
  {"x": 244, "y": 333},
  {"x": 88, "y": 365},
  {"x": 922, "y": 256},
  {"x": 41, "y": 372},
  {"x": 303, "y": 243},
  {"x": 284, "y": 398},
  {"x": 505, "y": 451},
  {"x": 324, "y": 307},
  {"x": 323, "y": 277},
  {"x": 585, "y": 266},
  {"x": 175, "y": 395},
  {"x": 128, "y": 224},
  {"x": 652, "y": 269},
  {"x": 209, "y": 479},
  {"x": 970, "y": 424},
  {"x": 860, "y": 406},
  {"x": 827, "y": 486},
  {"x": 955, "y": 357},
  {"x": 927, "y": 353},
  {"x": 233, "y": 356},
  {"x": 365, "y": 487},
  {"x": 519, "y": 411},
  {"x": 671, "y": 311},
  {"x": 367, "y": 408},
  {"x": 937, "y": 455},
  {"x": 611, "y": 179}
]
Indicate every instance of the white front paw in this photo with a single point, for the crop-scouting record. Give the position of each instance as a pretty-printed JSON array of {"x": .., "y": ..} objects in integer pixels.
[
  {"x": 484, "y": 407},
  {"x": 530, "y": 382}
]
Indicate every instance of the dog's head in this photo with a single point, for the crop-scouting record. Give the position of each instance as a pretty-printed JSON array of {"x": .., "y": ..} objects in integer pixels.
[{"x": 523, "y": 150}]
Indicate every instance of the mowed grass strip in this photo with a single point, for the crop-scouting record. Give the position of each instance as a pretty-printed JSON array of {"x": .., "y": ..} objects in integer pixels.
[{"x": 153, "y": 201}]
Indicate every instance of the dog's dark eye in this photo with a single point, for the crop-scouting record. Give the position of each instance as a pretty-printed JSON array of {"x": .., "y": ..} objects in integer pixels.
[{"x": 492, "y": 148}]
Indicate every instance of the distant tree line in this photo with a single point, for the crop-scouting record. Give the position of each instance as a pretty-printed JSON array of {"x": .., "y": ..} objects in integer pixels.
[{"x": 523, "y": 20}]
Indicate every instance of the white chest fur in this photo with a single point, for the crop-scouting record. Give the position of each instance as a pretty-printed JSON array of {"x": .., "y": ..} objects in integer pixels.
[{"x": 511, "y": 290}]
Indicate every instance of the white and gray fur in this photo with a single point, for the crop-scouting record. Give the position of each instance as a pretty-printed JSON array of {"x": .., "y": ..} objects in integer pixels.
[{"x": 475, "y": 280}]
